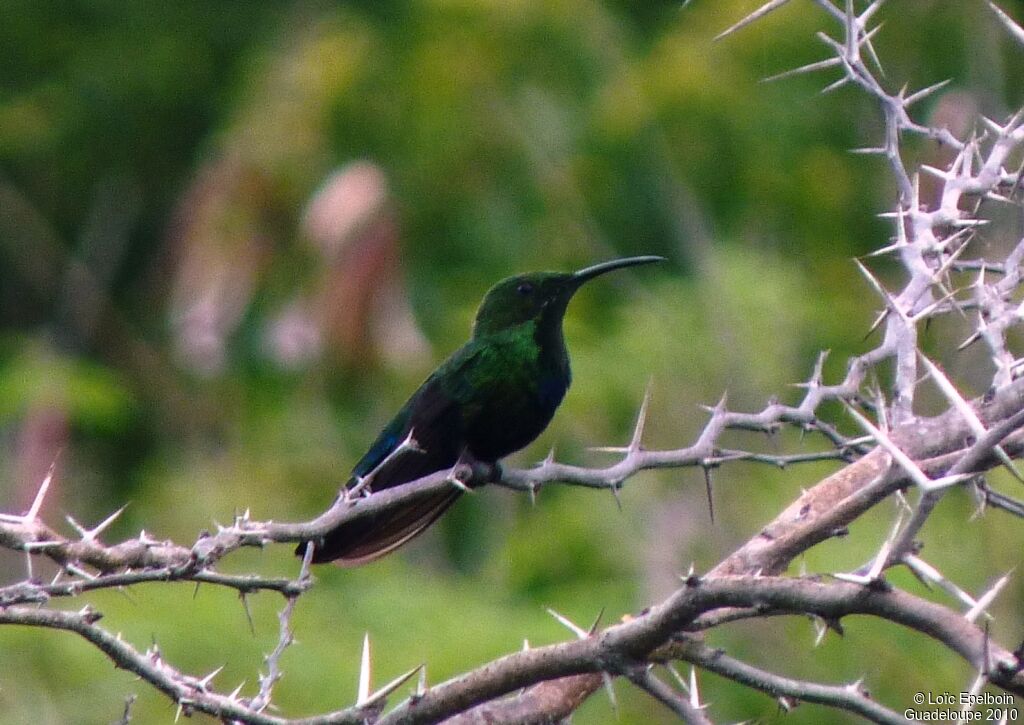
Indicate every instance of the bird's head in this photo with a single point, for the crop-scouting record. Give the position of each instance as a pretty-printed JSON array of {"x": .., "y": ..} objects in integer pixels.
[{"x": 539, "y": 295}]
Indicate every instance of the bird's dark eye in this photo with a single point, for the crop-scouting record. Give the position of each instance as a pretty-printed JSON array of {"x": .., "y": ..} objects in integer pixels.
[{"x": 524, "y": 289}]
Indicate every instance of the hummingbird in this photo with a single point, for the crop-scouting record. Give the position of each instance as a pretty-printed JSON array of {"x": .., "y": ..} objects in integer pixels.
[{"x": 492, "y": 397}]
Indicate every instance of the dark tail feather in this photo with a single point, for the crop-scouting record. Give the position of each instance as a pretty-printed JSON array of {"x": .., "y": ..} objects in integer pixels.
[{"x": 370, "y": 538}]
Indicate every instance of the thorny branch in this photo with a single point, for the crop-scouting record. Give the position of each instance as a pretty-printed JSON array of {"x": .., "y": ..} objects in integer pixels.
[{"x": 932, "y": 243}]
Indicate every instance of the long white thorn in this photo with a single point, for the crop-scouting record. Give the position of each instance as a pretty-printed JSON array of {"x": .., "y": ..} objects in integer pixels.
[
  {"x": 94, "y": 532},
  {"x": 930, "y": 575},
  {"x": 986, "y": 599},
  {"x": 363, "y": 692},
  {"x": 1015, "y": 30},
  {"x": 635, "y": 443},
  {"x": 609, "y": 687},
  {"x": 205, "y": 682},
  {"x": 820, "y": 630},
  {"x": 678, "y": 678},
  {"x": 694, "y": 690},
  {"x": 964, "y": 408},
  {"x": 390, "y": 687},
  {"x": 756, "y": 15},
  {"x": 831, "y": 62},
  {"x": 924, "y": 93},
  {"x": 569, "y": 624},
  {"x": 409, "y": 444},
  {"x": 882, "y": 558},
  {"x": 37, "y": 502},
  {"x": 835, "y": 86},
  {"x": 902, "y": 459},
  {"x": 421, "y": 682},
  {"x": 877, "y": 286}
]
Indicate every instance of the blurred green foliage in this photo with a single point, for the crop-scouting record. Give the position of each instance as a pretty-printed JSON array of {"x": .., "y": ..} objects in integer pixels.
[{"x": 144, "y": 145}]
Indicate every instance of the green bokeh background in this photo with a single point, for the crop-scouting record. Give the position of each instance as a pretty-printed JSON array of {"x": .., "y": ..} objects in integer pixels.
[{"x": 513, "y": 136}]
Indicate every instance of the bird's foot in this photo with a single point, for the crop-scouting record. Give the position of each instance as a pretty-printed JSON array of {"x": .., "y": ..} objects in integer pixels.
[
  {"x": 469, "y": 473},
  {"x": 461, "y": 476},
  {"x": 491, "y": 472}
]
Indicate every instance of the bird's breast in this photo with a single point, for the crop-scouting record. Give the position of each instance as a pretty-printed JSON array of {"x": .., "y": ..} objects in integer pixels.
[{"x": 517, "y": 407}]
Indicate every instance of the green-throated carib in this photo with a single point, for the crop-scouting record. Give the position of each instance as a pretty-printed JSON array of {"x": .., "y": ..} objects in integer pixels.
[{"x": 493, "y": 396}]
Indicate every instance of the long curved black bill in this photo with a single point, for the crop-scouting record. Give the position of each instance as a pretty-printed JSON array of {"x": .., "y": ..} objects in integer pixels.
[{"x": 611, "y": 265}]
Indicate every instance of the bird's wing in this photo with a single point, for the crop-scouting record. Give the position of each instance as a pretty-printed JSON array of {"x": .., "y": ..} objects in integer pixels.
[
  {"x": 429, "y": 424},
  {"x": 433, "y": 419}
]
